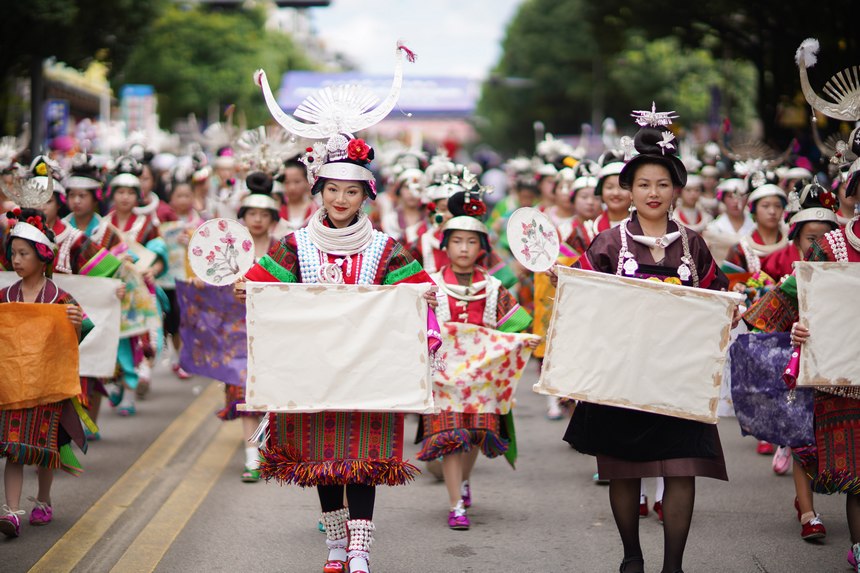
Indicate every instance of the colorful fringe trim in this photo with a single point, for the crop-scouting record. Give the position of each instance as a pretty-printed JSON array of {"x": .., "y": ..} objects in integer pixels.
[
  {"x": 829, "y": 482},
  {"x": 31, "y": 455},
  {"x": 462, "y": 440},
  {"x": 285, "y": 465},
  {"x": 806, "y": 456}
]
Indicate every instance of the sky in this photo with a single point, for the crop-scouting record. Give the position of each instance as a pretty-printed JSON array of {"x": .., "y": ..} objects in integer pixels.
[{"x": 451, "y": 37}]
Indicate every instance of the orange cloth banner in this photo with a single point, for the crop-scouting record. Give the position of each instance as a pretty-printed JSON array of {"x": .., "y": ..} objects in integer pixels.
[{"x": 39, "y": 360}]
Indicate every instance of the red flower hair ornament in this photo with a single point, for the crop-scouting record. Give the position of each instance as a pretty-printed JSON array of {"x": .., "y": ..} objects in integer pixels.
[
  {"x": 476, "y": 207},
  {"x": 358, "y": 150}
]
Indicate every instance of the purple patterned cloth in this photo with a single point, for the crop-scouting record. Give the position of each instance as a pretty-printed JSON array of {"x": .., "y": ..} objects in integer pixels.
[
  {"x": 760, "y": 396},
  {"x": 212, "y": 328}
]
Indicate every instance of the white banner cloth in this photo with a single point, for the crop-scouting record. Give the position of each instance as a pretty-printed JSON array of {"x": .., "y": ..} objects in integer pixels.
[
  {"x": 318, "y": 347},
  {"x": 637, "y": 344},
  {"x": 97, "y": 296},
  {"x": 829, "y": 357}
]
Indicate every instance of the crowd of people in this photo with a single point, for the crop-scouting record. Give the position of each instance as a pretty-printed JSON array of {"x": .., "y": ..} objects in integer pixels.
[{"x": 339, "y": 211}]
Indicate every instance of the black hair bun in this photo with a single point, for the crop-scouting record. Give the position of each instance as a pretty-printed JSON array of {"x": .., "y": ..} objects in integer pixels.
[
  {"x": 647, "y": 141},
  {"x": 259, "y": 183}
]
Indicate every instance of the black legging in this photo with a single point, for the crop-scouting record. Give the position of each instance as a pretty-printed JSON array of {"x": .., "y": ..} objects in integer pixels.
[
  {"x": 678, "y": 501},
  {"x": 360, "y": 498}
]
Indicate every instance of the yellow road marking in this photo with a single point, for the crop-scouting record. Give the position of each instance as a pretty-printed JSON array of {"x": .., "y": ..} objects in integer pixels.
[
  {"x": 148, "y": 549},
  {"x": 92, "y": 526}
]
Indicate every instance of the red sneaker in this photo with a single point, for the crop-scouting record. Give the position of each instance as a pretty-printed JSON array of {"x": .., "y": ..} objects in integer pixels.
[
  {"x": 764, "y": 448},
  {"x": 658, "y": 509},
  {"x": 813, "y": 529},
  {"x": 643, "y": 506}
]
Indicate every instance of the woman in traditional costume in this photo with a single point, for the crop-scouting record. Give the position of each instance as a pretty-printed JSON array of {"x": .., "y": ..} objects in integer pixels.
[
  {"x": 767, "y": 204},
  {"x": 297, "y": 203},
  {"x": 39, "y": 435},
  {"x": 830, "y": 463},
  {"x": 813, "y": 220},
  {"x": 687, "y": 211},
  {"x": 650, "y": 245},
  {"x": 135, "y": 352},
  {"x": 357, "y": 450},
  {"x": 408, "y": 216},
  {"x": 735, "y": 223},
  {"x": 469, "y": 295},
  {"x": 259, "y": 213},
  {"x": 616, "y": 199},
  {"x": 176, "y": 231}
]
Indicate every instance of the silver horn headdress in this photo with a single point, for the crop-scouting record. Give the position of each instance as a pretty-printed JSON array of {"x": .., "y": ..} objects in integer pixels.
[
  {"x": 843, "y": 88},
  {"x": 337, "y": 109}
]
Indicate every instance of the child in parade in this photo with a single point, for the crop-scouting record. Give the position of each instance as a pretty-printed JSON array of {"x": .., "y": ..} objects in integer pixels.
[
  {"x": 38, "y": 435},
  {"x": 470, "y": 295}
]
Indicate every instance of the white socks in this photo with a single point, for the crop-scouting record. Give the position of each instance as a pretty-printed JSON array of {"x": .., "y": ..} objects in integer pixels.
[{"x": 252, "y": 458}]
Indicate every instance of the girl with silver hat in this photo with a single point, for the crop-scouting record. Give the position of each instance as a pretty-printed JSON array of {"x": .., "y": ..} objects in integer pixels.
[
  {"x": 767, "y": 202},
  {"x": 469, "y": 294}
]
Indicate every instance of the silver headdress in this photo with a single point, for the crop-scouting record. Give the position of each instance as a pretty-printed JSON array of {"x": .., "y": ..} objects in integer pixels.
[
  {"x": 335, "y": 114},
  {"x": 31, "y": 192},
  {"x": 843, "y": 88},
  {"x": 266, "y": 149},
  {"x": 653, "y": 118}
]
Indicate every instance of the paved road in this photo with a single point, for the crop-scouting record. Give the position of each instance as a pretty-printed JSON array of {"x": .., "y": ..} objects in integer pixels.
[{"x": 182, "y": 507}]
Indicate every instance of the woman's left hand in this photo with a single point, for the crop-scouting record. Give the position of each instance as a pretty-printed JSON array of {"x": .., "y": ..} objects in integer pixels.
[
  {"x": 430, "y": 297},
  {"x": 799, "y": 334},
  {"x": 532, "y": 343},
  {"x": 75, "y": 314},
  {"x": 737, "y": 314}
]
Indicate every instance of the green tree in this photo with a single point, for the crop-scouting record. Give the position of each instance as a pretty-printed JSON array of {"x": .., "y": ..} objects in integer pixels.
[
  {"x": 196, "y": 58},
  {"x": 73, "y": 31},
  {"x": 685, "y": 80},
  {"x": 765, "y": 33}
]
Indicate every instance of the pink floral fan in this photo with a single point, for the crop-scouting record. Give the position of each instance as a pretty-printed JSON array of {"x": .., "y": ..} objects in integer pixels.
[
  {"x": 221, "y": 251},
  {"x": 533, "y": 239}
]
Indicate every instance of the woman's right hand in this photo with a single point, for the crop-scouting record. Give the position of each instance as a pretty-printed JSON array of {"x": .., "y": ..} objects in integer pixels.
[
  {"x": 239, "y": 290},
  {"x": 799, "y": 334},
  {"x": 553, "y": 278}
]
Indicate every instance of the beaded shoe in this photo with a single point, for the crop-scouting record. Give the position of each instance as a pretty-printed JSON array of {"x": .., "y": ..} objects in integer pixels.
[
  {"x": 42, "y": 513},
  {"x": 10, "y": 521},
  {"x": 457, "y": 518},
  {"x": 852, "y": 557}
]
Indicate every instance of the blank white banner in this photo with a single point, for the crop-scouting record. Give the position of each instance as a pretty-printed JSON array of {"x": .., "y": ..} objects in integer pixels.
[
  {"x": 826, "y": 297},
  {"x": 638, "y": 344},
  {"x": 337, "y": 347}
]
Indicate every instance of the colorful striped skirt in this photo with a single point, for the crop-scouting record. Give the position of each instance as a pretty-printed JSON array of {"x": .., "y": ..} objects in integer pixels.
[
  {"x": 451, "y": 432},
  {"x": 837, "y": 445},
  {"x": 336, "y": 448}
]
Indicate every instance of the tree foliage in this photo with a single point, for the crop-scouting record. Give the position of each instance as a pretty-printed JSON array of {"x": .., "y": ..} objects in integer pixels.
[
  {"x": 197, "y": 58},
  {"x": 73, "y": 31},
  {"x": 583, "y": 60}
]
